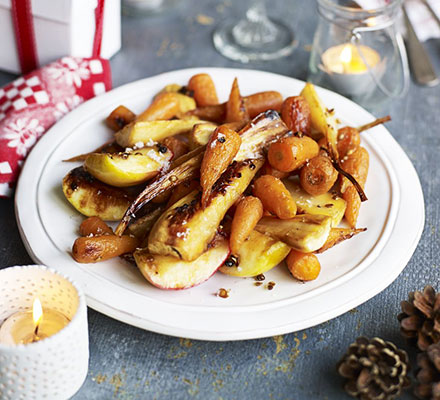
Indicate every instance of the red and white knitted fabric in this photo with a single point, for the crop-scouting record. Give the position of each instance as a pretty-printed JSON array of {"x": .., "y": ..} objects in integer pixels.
[{"x": 33, "y": 103}]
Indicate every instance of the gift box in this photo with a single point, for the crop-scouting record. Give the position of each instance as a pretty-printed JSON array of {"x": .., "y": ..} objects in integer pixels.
[{"x": 60, "y": 28}]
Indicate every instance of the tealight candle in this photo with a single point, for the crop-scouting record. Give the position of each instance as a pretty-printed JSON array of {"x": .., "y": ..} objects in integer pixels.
[
  {"x": 43, "y": 334},
  {"x": 31, "y": 326},
  {"x": 347, "y": 70}
]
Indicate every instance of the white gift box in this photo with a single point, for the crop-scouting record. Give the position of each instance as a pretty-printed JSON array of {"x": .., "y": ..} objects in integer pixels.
[{"x": 62, "y": 27}]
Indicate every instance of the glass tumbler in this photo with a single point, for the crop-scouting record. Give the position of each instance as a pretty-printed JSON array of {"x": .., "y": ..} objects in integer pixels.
[{"x": 358, "y": 52}]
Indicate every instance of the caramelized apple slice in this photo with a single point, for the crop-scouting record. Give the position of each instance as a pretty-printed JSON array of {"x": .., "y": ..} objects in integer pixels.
[
  {"x": 323, "y": 120},
  {"x": 168, "y": 272},
  {"x": 323, "y": 204},
  {"x": 257, "y": 255},
  {"x": 128, "y": 169},
  {"x": 93, "y": 198}
]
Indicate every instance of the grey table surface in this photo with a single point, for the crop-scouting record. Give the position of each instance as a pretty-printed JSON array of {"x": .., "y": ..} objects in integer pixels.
[{"x": 129, "y": 363}]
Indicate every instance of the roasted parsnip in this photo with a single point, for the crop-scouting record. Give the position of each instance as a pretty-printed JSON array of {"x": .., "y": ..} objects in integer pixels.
[
  {"x": 304, "y": 232},
  {"x": 338, "y": 235},
  {"x": 149, "y": 132},
  {"x": 185, "y": 229}
]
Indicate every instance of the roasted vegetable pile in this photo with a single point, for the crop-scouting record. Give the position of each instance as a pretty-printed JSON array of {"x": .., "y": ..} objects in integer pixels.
[{"x": 198, "y": 186}]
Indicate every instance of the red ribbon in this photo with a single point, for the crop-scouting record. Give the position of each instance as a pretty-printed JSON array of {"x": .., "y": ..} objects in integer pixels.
[
  {"x": 99, "y": 22},
  {"x": 25, "y": 35}
]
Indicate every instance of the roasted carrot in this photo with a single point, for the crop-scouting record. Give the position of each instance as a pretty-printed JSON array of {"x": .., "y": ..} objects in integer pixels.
[
  {"x": 220, "y": 151},
  {"x": 215, "y": 113},
  {"x": 247, "y": 214},
  {"x": 267, "y": 169},
  {"x": 291, "y": 153},
  {"x": 274, "y": 196},
  {"x": 120, "y": 117},
  {"x": 351, "y": 196},
  {"x": 259, "y": 102},
  {"x": 94, "y": 226},
  {"x": 100, "y": 248},
  {"x": 255, "y": 103},
  {"x": 235, "y": 107},
  {"x": 295, "y": 112},
  {"x": 165, "y": 106},
  {"x": 318, "y": 175},
  {"x": 303, "y": 266},
  {"x": 349, "y": 139},
  {"x": 356, "y": 164},
  {"x": 204, "y": 90}
]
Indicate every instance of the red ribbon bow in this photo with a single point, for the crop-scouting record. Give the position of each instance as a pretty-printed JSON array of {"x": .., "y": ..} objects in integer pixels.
[
  {"x": 34, "y": 102},
  {"x": 25, "y": 35}
]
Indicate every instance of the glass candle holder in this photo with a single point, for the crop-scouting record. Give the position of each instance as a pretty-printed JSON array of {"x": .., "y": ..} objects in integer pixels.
[
  {"x": 359, "y": 52},
  {"x": 48, "y": 360},
  {"x": 139, "y": 8}
]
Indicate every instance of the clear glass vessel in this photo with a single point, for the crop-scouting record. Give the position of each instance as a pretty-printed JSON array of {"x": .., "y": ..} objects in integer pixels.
[
  {"x": 359, "y": 52},
  {"x": 255, "y": 37},
  {"x": 139, "y": 8}
]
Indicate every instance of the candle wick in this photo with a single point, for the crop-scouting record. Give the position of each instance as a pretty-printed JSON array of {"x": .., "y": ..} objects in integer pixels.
[{"x": 36, "y": 333}]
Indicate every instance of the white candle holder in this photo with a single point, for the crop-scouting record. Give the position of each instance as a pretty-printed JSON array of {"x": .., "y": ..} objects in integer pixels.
[{"x": 55, "y": 367}]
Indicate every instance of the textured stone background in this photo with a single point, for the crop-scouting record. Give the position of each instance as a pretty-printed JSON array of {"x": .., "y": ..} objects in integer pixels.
[{"x": 128, "y": 363}]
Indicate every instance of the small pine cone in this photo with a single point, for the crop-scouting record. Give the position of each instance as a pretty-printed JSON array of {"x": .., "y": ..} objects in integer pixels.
[
  {"x": 428, "y": 376},
  {"x": 374, "y": 369},
  {"x": 420, "y": 319}
]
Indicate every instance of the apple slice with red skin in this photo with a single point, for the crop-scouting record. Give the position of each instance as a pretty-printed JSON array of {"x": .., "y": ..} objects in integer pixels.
[{"x": 168, "y": 272}]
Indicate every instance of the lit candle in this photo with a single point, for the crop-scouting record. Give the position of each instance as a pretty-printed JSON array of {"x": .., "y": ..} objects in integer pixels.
[
  {"x": 348, "y": 72},
  {"x": 31, "y": 326}
]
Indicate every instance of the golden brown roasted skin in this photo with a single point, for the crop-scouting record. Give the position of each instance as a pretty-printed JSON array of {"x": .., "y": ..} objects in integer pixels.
[
  {"x": 186, "y": 229},
  {"x": 94, "y": 198}
]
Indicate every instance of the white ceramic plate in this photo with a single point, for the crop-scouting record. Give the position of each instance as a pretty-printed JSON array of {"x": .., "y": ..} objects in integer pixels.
[{"x": 352, "y": 272}]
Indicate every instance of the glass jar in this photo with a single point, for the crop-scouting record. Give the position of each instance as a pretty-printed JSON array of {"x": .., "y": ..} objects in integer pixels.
[
  {"x": 135, "y": 8},
  {"x": 359, "y": 52}
]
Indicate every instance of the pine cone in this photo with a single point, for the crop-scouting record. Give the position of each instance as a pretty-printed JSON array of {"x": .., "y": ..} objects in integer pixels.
[
  {"x": 420, "y": 319},
  {"x": 374, "y": 369},
  {"x": 428, "y": 376}
]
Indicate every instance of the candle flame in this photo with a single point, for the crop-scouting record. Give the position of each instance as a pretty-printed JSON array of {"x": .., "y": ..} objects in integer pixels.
[
  {"x": 346, "y": 54},
  {"x": 37, "y": 312}
]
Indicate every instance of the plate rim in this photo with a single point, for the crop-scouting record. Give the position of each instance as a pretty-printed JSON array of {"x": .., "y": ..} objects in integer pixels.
[{"x": 140, "y": 322}]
